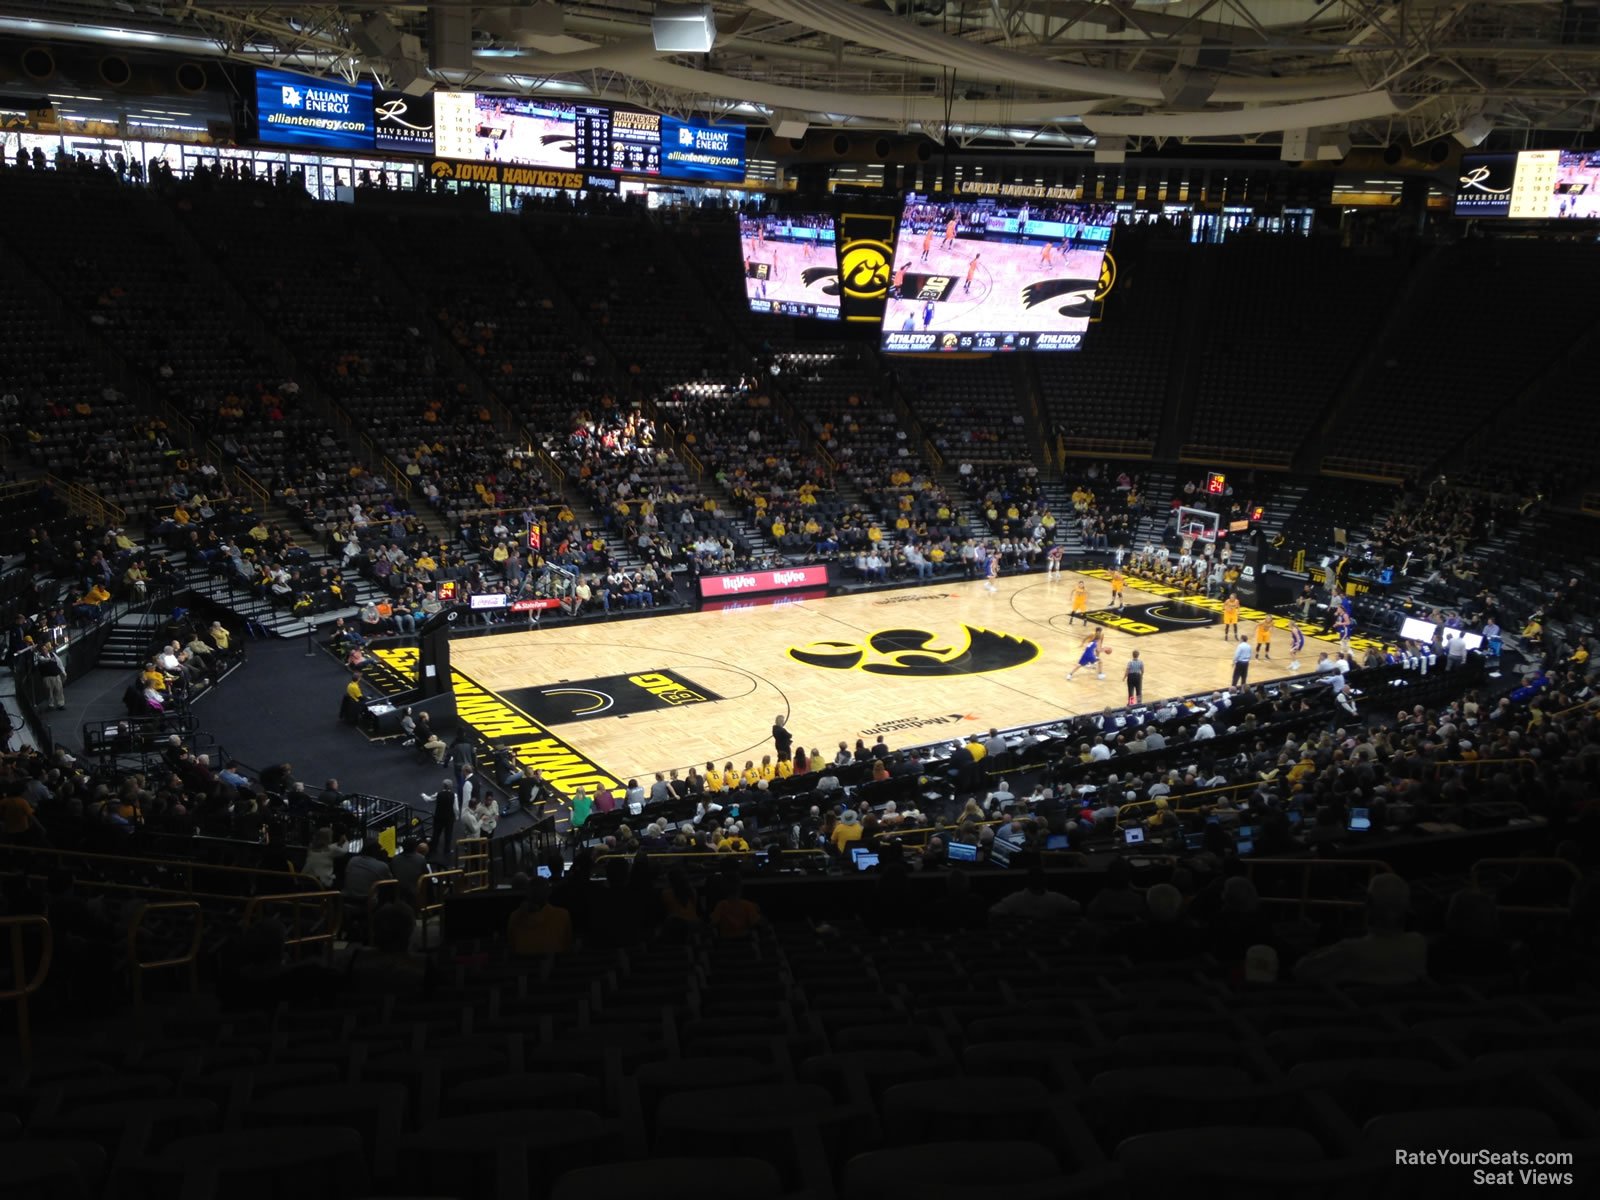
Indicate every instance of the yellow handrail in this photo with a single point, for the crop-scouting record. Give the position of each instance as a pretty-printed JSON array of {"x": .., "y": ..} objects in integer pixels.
[
  {"x": 557, "y": 473},
  {"x": 473, "y": 855},
  {"x": 87, "y": 502},
  {"x": 186, "y": 866},
  {"x": 251, "y": 485},
  {"x": 330, "y": 904},
  {"x": 20, "y": 990},
  {"x": 138, "y": 966}
]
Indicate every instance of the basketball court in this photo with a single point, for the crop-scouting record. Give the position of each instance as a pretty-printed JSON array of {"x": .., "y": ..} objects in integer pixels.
[
  {"x": 781, "y": 272},
  {"x": 614, "y": 700},
  {"x": 998, "y": 295}
]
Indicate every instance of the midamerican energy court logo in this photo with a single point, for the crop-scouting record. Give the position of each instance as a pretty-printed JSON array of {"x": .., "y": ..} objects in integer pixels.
[{"x": 921, "y": 653}]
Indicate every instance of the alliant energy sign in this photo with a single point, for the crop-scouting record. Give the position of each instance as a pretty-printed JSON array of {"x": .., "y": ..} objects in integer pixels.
[{"x": 752, "y": 583}]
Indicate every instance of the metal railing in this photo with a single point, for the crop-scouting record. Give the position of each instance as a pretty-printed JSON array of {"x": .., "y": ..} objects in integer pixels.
[
  {"x": 1561, "y": 865},
  {"x": 252, "y": 486},
  {"x": 1312, "y": 867},
  {"x": 433, "y": 889},
  {"x": 472, "y": 855},
  {"x": 138, "y": 966},
  {"x": 22, "y": 986},
  {"x": 85, "y": 501},
  {"x": 1376, "y": 470},
  {"x": 1235, "y": 456},
  {"x": 323, "y": 927},
  {"x": 181, "y": 872},
  {"x": 1477, "y": 764},
  {"x": 1139, "y": 448}
]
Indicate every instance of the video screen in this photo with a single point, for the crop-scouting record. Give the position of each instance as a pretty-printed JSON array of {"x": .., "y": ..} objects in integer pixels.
[
  {"x": 479, "y": 127},
  {"x": 1538, "y": 185},
  {"x": 791, "y": 268},
  {"x": 1577, "y": 190},
  {"x": 301, "y": 110},
  {"x": 992, "y": 274}
]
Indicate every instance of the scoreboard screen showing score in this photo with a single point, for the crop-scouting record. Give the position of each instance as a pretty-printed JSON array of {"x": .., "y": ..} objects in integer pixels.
[
  {"x": 994, "y": 275},
  {"x": 614, "y": 139},
  {"x": 1545, "y": 185},
  {"x": 791, "y": 267}
]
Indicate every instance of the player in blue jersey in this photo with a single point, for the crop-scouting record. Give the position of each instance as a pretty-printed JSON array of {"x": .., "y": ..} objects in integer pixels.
[
  {"x": 1297, "y": 643},
  {"x": 1093, "y": 648}
]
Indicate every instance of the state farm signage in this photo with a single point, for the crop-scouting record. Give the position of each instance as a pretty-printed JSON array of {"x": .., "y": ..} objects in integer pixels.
[{"x": 750, "y": 583}]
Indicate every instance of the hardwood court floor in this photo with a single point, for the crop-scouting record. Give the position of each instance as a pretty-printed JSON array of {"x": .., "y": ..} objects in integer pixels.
[{"x": 1011, "y": 672}]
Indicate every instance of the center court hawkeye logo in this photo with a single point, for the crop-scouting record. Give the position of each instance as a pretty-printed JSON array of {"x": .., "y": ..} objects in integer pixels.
[{"x": 921, "y": 654}]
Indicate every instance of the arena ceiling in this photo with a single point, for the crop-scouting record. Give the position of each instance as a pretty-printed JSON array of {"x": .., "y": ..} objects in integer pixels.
[{"x": 1023, "y": 73}]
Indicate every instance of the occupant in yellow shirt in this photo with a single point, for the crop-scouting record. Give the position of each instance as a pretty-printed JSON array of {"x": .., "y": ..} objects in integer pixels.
[{"x": 713, "y": 778}]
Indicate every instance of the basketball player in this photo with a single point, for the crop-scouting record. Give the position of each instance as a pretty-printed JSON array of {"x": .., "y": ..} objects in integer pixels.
[
  {"x": 1090, "y": 657},
  {"x": 900, "y": 280},
  {"x": 1080, "y": 604},
  {"x": 1117, "y": 583},
  {"x": 1044, "y": 254},
  {"x": 927, "y": 242},
  {"x": 1344, "y": 624},
  {"x": 1052, "y": 560},
  {"x": 972, "y": 269},
  {"x": 927, "y": 314},
  {"x": 1230, "y": 619},
  {"x": 1264, "y": 639},
  {"x": 1297, "y": 643},
  {"x": 949, "y": 234},
  {"x": 993, "y": 572}
]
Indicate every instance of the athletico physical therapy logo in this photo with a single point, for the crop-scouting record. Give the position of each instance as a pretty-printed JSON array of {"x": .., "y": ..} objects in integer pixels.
[
  {"x": 921, "y": 653},
  {"x": 904, "y": 724}
]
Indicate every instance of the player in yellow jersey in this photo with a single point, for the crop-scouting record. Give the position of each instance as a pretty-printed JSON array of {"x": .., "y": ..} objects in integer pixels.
[
  {"x": 1230, "y": 619},
  {"x": 713, "y": 778},
  {"x": 1117, "y": 583},
  {"x": 766, "y": 770},
  {"x": 785, "y": 769},
  {"x": 1264, "y": 639},
  {"x": 750, "y": 776},
  {"x": 1080, "y": 604}
]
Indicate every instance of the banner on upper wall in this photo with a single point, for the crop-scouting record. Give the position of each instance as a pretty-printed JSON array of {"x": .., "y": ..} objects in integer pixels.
[
  {"x": 697, "y": 151},
  {"x": 403, "y": 123},
  {"x": 489, "y": 172},
  {"x": 866, "y": 250},
  {"x": 305, "y": 111}
]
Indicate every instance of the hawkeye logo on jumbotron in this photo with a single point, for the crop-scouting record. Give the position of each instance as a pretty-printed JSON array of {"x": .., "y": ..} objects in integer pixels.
[
  {"x": 920, "y": 653},
  {"x": 864, "y": 269}
]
